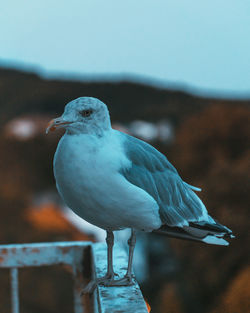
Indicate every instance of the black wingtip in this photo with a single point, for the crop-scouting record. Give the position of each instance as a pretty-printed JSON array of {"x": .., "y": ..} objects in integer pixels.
[{"x": 213, "y": 227}]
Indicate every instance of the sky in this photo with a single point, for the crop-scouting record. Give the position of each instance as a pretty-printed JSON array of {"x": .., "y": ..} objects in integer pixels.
[{"x": 198, "y": 45}]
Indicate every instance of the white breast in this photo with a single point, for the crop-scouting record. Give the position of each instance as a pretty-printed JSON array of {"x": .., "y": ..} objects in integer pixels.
[{"x": 87, "y": 174}]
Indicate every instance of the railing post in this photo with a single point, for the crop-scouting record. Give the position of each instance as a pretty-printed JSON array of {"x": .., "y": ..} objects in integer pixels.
[
  {"x": 14, "y": 290},
  {"x": 78, "y": 285}
]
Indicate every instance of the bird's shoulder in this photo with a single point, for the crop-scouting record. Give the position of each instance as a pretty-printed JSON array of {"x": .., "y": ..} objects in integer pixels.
[{"x": 143, "y": 154}]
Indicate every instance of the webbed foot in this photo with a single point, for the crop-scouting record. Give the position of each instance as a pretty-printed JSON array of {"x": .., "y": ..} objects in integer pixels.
[
  {"x": 127, "y": 280},
  {"x": 105, "y": 280},
  {"x": 108, "y": 281}
]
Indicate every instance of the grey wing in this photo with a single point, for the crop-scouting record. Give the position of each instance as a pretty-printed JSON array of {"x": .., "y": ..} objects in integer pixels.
[{"x": 152, "y": 172}]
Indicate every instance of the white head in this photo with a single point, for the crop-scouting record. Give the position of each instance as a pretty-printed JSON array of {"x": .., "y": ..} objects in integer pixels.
[{"x": 83, "y": 115}]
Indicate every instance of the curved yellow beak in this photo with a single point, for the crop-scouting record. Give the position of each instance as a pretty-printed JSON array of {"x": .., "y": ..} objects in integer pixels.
[{"x": 56, "y": 123}]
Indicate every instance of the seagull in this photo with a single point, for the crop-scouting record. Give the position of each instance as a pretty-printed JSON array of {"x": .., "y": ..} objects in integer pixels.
[{"x": 116, "y": 181}]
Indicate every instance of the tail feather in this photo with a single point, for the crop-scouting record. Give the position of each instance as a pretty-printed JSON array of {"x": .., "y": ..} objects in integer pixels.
[
  {"x": 213, "y": 227},
  {"x": 207, "y": 233},
  {"x": 192, "y": 187},
  {"x": 213, "y": 240}
]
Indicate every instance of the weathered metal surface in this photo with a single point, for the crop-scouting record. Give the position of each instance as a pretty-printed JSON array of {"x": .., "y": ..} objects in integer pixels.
[
  {"x": 78, "y": 284},
  {"x": 41, "y": 254},
  {"x": 115, "y": 299},
  {"x": 78, "y": 274},
  {"x": 75, "y": 254},
  {"x": 14, "y": 290}
]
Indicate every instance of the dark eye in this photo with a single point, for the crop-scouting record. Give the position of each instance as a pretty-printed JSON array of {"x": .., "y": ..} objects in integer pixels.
[{"x": 86, "y": 113}]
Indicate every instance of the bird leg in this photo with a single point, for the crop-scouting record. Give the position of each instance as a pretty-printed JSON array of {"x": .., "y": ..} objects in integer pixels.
[
  {"x": 109, "y": 277},
  {"x": 131, "y": 243},
  {"x": 127, "y": 280},
  {"x": 110, "y": 243}
]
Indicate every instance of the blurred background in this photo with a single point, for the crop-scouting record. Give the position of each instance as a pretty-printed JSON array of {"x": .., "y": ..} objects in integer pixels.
[{"x": 173, "y": 73}]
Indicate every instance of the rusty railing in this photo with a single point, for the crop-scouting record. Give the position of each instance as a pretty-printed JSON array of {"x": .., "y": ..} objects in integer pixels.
[{"x": 74, "y": 254}]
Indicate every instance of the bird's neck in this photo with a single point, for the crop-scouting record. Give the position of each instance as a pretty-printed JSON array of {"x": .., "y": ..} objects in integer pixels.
[
  {"x": 93, "y": 130},
  {"x": 84, "y": 142}
]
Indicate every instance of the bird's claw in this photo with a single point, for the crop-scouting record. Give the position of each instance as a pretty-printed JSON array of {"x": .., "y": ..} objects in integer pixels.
[
  {"x": 89, "y": 288},
  {"x": 107, "y": 281},
  {"x": 127, "y": 280}
]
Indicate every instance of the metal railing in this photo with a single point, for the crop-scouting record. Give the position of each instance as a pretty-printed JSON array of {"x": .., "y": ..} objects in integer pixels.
[{"x": 74, "y": 254}]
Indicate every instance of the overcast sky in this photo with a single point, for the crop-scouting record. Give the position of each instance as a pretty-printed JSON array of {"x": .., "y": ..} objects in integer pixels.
[{"x": 199, "y": 44}]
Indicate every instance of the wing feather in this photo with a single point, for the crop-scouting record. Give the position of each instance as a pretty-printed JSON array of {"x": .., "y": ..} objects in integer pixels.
[{"x": 151, "y": 171}]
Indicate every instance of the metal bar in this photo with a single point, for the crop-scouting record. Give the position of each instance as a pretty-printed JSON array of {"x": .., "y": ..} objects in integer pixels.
[
  {"x": 78, "y": 285},
  {"x": 14, "y": 290},
  {"x": 40, "y": 254},
  {"x": 116, "y": 299}
]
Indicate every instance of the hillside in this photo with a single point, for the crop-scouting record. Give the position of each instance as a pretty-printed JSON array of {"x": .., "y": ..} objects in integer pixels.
[{"x": 22, "y": 92}]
